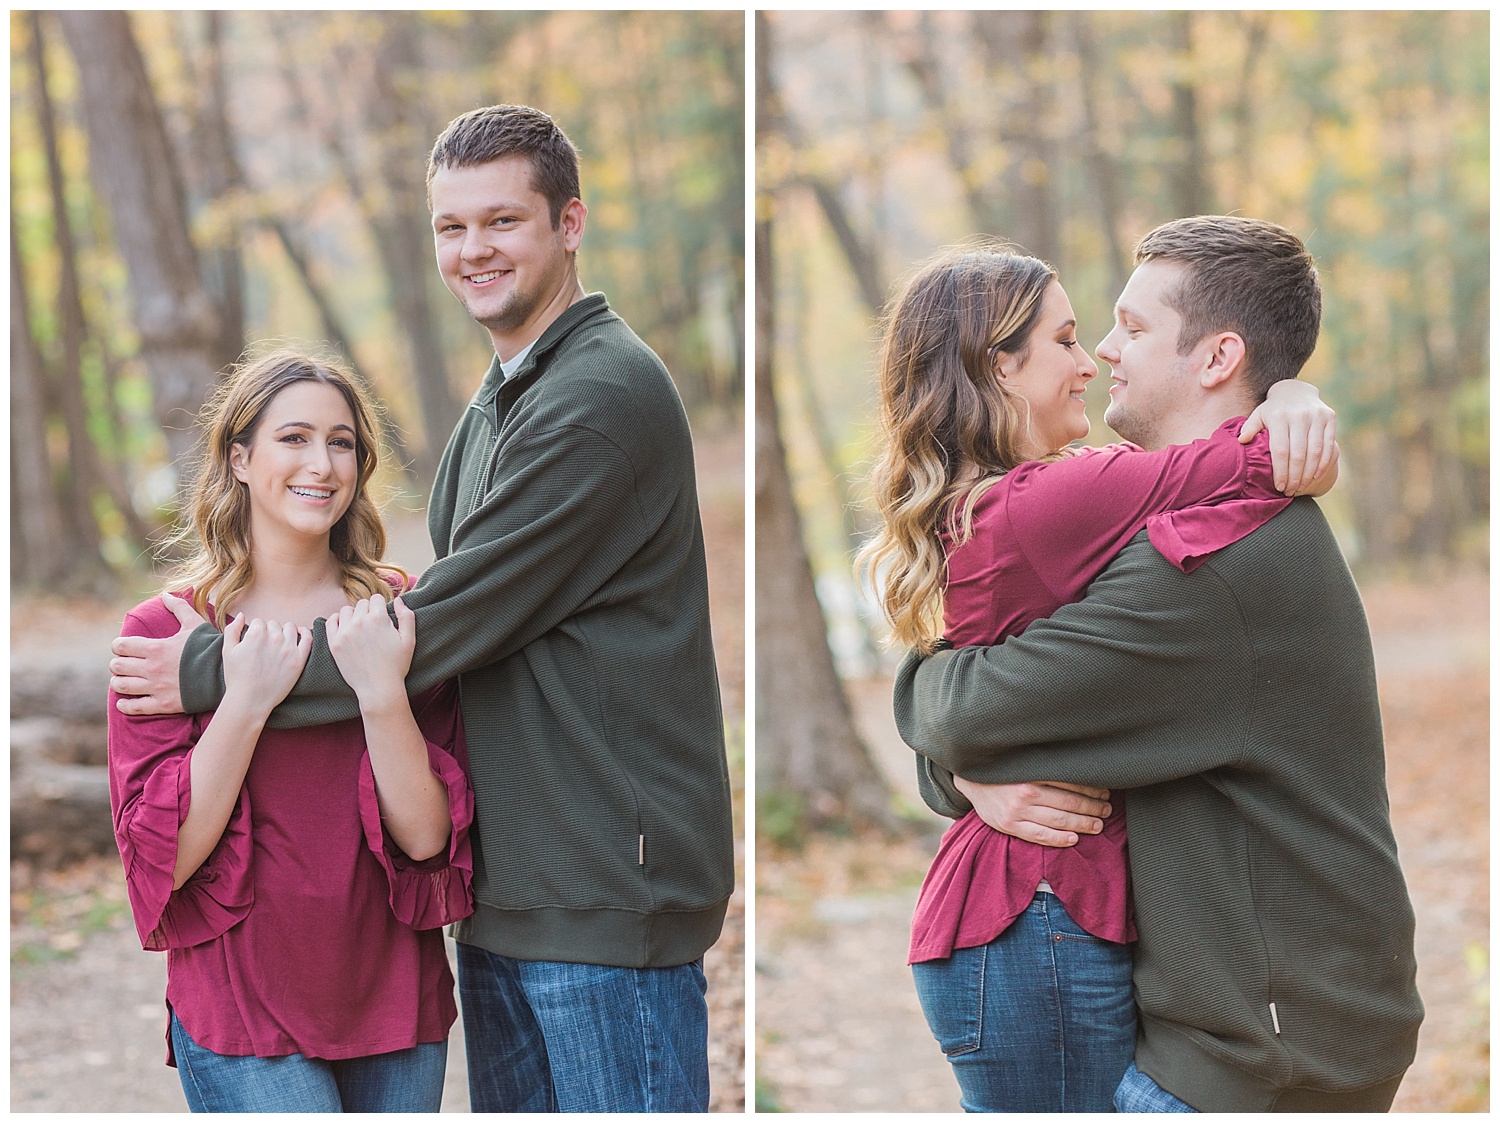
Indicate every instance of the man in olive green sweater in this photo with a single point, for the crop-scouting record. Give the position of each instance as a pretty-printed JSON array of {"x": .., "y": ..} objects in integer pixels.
[
  {"x": 1275, "y": 967},
  {"x": 570, "y": 596}
]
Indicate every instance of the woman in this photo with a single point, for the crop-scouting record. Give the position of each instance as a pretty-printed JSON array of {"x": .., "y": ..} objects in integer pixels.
[
  {"x": 296, "y": 878},
  {"x": 1020, "y": 952}
]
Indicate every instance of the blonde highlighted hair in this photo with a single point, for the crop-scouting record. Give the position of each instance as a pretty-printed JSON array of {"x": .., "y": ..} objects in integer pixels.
[
  {"x": 215, "y": 522},
  {"x": 949, "y": 426}
]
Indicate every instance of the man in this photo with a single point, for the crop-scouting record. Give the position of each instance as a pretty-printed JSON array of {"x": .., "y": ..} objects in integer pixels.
[
  {"x": 570, "y": 595},
  {"x": 1274, "y": 969}
]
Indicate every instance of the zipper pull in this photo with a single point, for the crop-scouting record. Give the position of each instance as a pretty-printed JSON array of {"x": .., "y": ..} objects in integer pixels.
[
  {"x": 642, "y": 861},
  {"x": 1275, "y": 1022}
]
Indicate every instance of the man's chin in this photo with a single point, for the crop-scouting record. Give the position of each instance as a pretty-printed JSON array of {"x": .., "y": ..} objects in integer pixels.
[
  {"x": 509, "y": 318},
  {"x": 1124, "y": 425}
]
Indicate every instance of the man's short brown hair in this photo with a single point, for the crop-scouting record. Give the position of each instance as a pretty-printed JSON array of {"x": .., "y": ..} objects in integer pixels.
[
  {"x": 497, "y": 131},
  {"x": 1250, "y": 277}
]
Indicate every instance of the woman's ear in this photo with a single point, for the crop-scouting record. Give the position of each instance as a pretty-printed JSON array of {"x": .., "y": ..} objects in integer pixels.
[{"x": 239, "y": 461}]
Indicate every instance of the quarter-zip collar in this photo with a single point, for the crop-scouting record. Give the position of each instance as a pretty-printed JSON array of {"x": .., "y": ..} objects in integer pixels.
[{"x": 580, "y": 311}]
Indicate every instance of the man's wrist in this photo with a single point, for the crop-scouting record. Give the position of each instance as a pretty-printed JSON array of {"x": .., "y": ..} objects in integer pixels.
[{"x": 200, "y": 670}]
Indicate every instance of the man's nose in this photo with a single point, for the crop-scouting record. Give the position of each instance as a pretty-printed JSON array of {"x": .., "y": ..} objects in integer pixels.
[
  {"x": 1106, "y": 350},
  {"x": 476, "y": 245}
]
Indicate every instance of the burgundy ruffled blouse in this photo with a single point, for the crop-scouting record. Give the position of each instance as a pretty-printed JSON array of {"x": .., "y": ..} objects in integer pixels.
[{"x": 307, "y": 930}]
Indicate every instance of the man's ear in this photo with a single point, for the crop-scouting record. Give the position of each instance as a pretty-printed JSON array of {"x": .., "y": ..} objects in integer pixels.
[
  {"x": 570, "y": 222},
  {"x": 1224, "y": 359}
]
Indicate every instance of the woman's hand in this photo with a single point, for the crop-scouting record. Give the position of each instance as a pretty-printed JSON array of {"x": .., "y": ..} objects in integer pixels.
[
  {"x": 262, "y": 662},
  {"x": 372, "y": 655},
  {"x": 1302, "y": 428}
]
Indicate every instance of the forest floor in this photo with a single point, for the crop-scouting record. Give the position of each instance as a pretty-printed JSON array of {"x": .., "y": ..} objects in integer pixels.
[
  {"x": 838, "y": 1027},
  {"x": 87, "y": 1018}
]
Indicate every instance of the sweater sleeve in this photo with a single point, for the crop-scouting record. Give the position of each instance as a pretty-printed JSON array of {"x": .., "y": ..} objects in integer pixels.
[
  {"x": 564, "y": 518},
  {"x": 438, "y": 890},
  {"x": 150, "y": 760},
  {"x": 1071, "y": 516},
  {"x": 1095, "y": 693}
]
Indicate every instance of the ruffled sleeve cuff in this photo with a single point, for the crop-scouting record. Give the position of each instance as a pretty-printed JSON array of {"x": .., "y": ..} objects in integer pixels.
[
  {"x": 1186, "y": 538},
  {"x": 220, "y": 892},
  {"x": 438, "y": 890}
]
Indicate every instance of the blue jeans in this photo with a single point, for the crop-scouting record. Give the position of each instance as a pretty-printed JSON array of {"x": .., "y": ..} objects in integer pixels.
[
  {"x": 406, "y": 1080},
  {"x": 1139, "y": 1093},
  {"x": 545, "y": 1036},
  {"x": 1041, "y": 1018}
]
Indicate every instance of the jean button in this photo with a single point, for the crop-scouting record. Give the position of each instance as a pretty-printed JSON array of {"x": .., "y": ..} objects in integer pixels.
[{"x": 1058, "y": 937}]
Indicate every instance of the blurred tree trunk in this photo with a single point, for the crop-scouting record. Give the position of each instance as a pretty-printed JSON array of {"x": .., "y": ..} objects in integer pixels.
[
  {"x": 1102, "y": 166},
  {"x": 41, "y": 548},
  {"x": 807, "y": 748},
  {"x": 1257, "y": 28},
  {"x": 1186, "y": 177},
  {"x": 395, "y": 201},
  {"x": 88, "y": 472},
  {"x": 1017, "y": 46},
  {"x": 132, "y": 167},
  {"x": 222, "y": 184}
]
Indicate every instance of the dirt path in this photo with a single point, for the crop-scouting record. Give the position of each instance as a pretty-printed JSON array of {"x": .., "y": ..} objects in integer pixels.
[
  {"x": 838, "y": 1026},
  {"x": 87, "y": 1015}
]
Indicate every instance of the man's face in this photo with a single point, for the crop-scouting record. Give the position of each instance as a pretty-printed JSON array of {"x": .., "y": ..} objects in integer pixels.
[
  {"x": 497, "y": 249},
  {"x": 1149, "y": 379}
]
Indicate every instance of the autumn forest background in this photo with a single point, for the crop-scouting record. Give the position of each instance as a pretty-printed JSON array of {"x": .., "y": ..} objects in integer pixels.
[
  {"x": 883, "y": 136},
  {"x": 186, "y": 184}
]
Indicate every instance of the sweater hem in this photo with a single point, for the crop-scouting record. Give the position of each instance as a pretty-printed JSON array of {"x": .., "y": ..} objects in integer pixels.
[
  {"x": 605, "y": 937},
  {"x": 1210, "y": 1083}
]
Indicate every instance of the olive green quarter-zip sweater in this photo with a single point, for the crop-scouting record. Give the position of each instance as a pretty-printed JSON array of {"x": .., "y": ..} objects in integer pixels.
[
  {"x": 1275, "y": 969},
  {"x": 570, "y": 596}
]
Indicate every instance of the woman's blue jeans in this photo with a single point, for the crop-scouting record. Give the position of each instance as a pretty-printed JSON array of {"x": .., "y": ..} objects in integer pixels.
[
  {"x": 405, "y": 1080},
  {"x": 1041, "y": 1018}
]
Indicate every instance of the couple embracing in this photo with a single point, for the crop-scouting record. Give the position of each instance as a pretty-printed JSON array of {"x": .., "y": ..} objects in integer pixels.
[
  {"x": 1141, "y": 681},
  {"x": 316, "y": 762}
]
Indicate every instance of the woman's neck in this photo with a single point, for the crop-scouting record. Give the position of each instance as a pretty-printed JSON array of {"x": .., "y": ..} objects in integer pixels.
[{"x": 296, "y": 581}]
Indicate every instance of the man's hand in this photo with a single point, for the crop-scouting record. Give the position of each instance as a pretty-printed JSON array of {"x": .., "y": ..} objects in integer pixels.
[
  {"x": 144, "y": 670},
  {"x": 1302, "y": 429},
  {"x": 1049, "y": 812}
]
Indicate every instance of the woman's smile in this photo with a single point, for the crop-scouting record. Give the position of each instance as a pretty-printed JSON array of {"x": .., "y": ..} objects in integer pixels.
[{"x": 300, "y": 465}]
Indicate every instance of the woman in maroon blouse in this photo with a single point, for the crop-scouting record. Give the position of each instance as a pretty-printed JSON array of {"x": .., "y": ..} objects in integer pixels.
[
  {"x": 1020, "y": 951},
  {"x": 297, "y": 879}
]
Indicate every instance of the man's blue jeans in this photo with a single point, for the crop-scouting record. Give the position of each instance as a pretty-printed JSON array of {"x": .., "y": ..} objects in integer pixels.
[
  {"x": 1139, "y": 1093},
  {"x": 1041, "y": 1018},
  {"x": 406, "y": 1080},
  {"x": 545, "y": 1036}
]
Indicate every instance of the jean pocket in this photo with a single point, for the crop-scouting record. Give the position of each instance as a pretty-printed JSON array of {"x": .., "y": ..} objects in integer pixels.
[{"x": 951, "y": 992}]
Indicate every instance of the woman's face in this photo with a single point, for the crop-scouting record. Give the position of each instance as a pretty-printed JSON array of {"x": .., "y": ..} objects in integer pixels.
[
  {"x": 300, "y": 467},
  {"x": 1052, "y": 377}
]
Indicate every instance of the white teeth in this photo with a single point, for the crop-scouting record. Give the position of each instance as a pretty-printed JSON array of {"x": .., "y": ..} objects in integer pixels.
[
  {"x": 481, "y": 278},
  {"x": 312, "y": 492}
]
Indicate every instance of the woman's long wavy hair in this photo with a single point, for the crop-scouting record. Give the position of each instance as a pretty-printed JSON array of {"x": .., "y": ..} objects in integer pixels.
[
  {"x": 950, "y": 426},
  {"x": 216, "y": 516}
]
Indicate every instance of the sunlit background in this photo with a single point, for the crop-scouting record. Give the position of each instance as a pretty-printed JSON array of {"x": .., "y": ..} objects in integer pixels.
[
  {"x": 883, "y": 136},
  {"x": 186, "y": 183}
]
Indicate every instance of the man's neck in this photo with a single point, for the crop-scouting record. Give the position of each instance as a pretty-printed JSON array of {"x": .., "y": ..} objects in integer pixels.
[
  {"x": 1194, "y": 424},
  {"x": 511, "y": 343}
]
